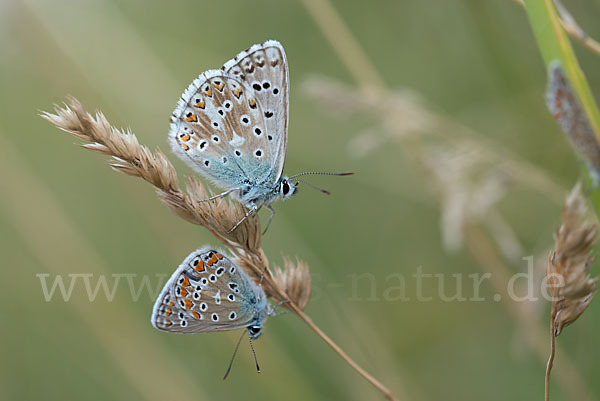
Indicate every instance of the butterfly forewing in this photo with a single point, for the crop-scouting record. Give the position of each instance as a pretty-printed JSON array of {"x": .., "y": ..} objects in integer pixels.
[
  {"x": 206, "y": 293},
  {"x": 219, "y": 129},
  {"x": 264, "y": 69}
]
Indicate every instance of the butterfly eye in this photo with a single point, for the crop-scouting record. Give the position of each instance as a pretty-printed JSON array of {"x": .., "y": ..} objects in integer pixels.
[
  {"x": 255, "y": 330},
  {"x": 285, "y": 187}
]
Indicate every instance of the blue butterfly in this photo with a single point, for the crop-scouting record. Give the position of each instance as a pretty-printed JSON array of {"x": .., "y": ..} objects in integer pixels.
[
  {"x": 208, "y": 293},
  {"x": 231, "y": 126}
]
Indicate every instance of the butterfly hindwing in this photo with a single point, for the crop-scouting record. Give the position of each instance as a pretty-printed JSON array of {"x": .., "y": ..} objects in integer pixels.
[
  {"x": 264, "y": 68},
  {"x": 219, "y": 128},
  {"x": 207, "y": 292}
]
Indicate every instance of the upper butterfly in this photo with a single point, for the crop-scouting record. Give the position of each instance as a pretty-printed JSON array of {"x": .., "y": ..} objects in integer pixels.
[{"x": 231, "y": 126}]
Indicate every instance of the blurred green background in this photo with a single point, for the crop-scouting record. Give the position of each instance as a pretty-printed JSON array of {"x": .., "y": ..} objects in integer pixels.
[{"x": 62, "y": 211}]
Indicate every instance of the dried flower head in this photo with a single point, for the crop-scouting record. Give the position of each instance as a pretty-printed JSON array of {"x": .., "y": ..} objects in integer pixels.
[
  {"x": 570, "y": 284},
  {"x": 295, "y": 281}
]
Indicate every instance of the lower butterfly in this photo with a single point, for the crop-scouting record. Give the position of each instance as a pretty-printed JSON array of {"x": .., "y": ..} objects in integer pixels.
[{"x": 208, "y": 292}]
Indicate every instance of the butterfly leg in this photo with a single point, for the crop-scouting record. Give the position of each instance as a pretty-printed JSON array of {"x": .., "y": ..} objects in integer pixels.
[
  {"x": 270, "y": 218},
  {"x": 273, "y": 310},
  {"x": 219, "y": 195},
  {"x": 253, "y": 209}
]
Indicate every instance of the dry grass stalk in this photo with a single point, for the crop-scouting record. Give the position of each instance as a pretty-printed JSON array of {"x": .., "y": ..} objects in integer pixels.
[
  {"x": 292, "y": 286},
  {"x": 569, "y": 281},
  {"x": 134, "y": 159}
]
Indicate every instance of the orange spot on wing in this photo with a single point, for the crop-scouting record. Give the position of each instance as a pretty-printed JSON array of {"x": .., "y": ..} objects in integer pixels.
[
  {"x": 200, "y": 267},
  {"x": 188, "y": 304},
  {"x": 252, "y": 103},
  {"x": 200, "y": 104},
  {"x": 196, "y": 315},
  {"x": 168, "y": 323},
  {"x": 208, "y": 92},
  {"x": 169, "y": 311},
  {"x": 237, "y": 92},
  {"x": 213, "y": 259},
  {"x": 183, "y": 292},
  {"x": 192, "y": 118},
  {"x": 186, "y": 281},
  {"x": 185, "y": 138},
  {"x": 219, "y": 87},
  {"x": 219, "y": 256},
  {"x": 184, "y": 146}
]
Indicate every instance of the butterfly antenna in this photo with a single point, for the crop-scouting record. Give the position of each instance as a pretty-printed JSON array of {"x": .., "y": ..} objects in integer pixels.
[
  {"x": 319, "y": 173},
  {"x": 313, "y": 186},
  {"x": 233, "y": 357},
  {"x": 253, "y": 353}
]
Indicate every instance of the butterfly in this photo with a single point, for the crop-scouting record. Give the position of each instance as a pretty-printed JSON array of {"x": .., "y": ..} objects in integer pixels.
[
  {"x": 231, "y": 126},
  {"x": 207, "y": 293}
]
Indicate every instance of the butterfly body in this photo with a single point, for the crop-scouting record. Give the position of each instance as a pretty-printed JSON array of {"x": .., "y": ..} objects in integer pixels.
[
  {"x": 207, "y": 293},
  {"x": 256, "y": 194}
]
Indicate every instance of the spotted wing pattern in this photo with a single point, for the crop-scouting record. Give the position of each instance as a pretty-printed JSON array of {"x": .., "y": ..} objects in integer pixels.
[
  {"x": 264, "y": 68},
  {"x": 207, "y": 292},
  {"x": 219, "y": 129}
]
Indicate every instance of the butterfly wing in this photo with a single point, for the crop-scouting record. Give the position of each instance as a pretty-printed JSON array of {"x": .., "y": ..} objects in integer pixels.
[
  {"x": 218, "y": 128},
  {"x": 264, "y": 68},
  {"x": 207, "y": 292}
]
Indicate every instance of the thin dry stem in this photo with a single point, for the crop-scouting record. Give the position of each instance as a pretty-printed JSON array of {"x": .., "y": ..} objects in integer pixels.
[
  {"x": 572, "y": 28},
  {"x": 292, "y": 287},
  {"x": 550, "y": 362},
  {"x": 376, "y": 383}
]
